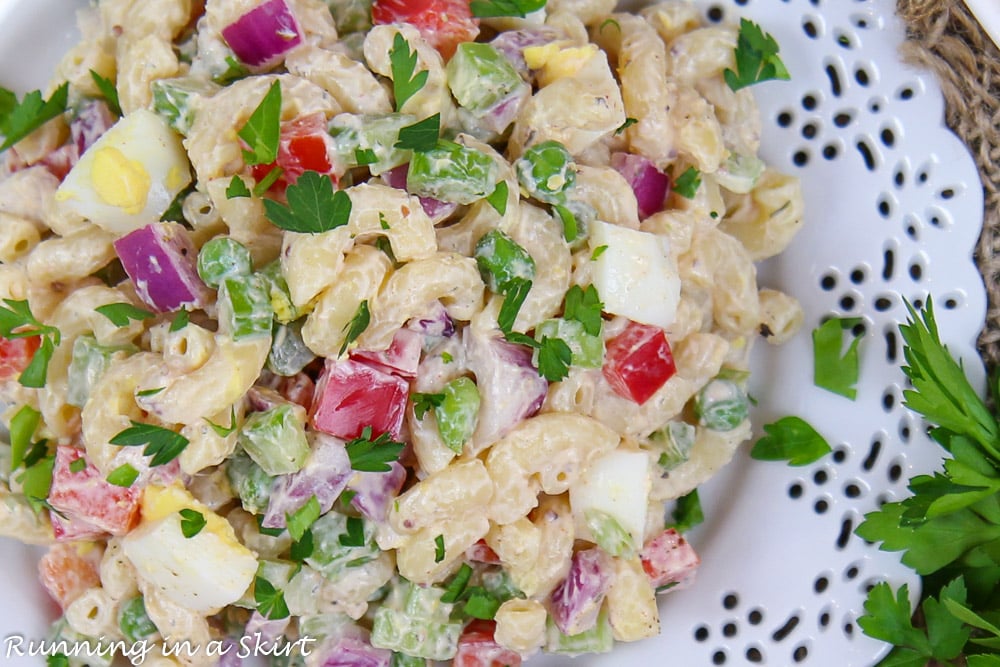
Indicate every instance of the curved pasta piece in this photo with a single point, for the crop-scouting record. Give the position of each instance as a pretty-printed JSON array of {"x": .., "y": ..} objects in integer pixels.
[
  {"x": 672, "y": 18},
  {"x": 766, "y": 220},
  {"x": 608, "y": 193},
  {"x": 379, "y": 210},
  {"x": 65, "y": 259},
  {"x": 143, "y": 59},
  {"x": 311, "y": 262},
  {"x": 541, "y": 236},
  {"x": 781, "y": 316},
  {"x": 720, "y": 263},
  {"x": 449, "y": 278},
  {"x": 646, "y": 92},
  {"x": 227, "y": 375},
  {"x": 701, "y": 54},
  {"x": 544, "y": 453},
  {"x": 359, "y": 279},
  {"x": 348, "y": 81},
  {"x": 418, "y": 559},
  {"x": 246, "y": 221},
  {"x": 111, "y": 408},
  {"x": 19, "y": 520},
  {"x": 577, "y": 111}
]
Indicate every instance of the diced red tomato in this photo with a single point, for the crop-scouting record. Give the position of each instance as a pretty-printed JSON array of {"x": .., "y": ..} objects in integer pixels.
[
  {"x": 16, "y": 354},
  {"x": 87, "y": 496},
  {"x": 480, "y": 552},
  {"x": 304, "y": 145},
  {"x": 638, "y": 362},
  {"x": 402, "y": 358},
  {"x": 669, "y": 559},
  {"x": 443, "y": 23},
  {"x": 67, "y": 570},
  {"x": 478, "y": 648},
  {"x": 351, "y": 395}
]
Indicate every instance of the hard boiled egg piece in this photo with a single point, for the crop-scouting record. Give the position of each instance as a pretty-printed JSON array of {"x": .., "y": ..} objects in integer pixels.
[
  {"x": 202, "y": 573},
  {"x": 635, "y": 274},
  {"x": 129, "y": 176}
]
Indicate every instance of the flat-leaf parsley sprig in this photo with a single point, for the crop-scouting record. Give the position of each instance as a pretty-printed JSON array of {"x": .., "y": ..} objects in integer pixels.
[
  {"x": 17, "y": 321},
  {"x": 949, "y": 528}
]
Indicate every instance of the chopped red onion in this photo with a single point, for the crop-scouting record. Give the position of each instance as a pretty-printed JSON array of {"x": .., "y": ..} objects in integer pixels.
[
  {"x": 160, "y": 258},
  {"x": 577, "y": 600},
  {"x": 510, "y": 386},
  {"x": 262, "y": 36},
  {"x": 649, "y": 183},
  {"x": 324, "y": 476},
  {"x": 93, "y": 120},
  {"x": 375, "y": 491},
  {"x": 435, "y": 209},
  {"x": 434, "y": 324}
]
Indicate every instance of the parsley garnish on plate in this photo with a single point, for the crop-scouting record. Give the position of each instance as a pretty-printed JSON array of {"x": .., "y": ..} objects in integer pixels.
[
  {"x": 756, "y": 58},
  {"x": 402, "y": 63},
  {"x": 515, "y": 291},
  {"x": 355, "y": 535},
  {"x": 369, "y": 455},
  {"x": 790, "y": 439},
  {"x": 237, "y": 188},
  {"x": 949, "y": 528},
  {"x": 439, "y": 548},
  {"x": 19, "y": 119},
  {"x": 833, "y": 369},
  {"x": 584, "y": 305},
  {"x": 687, "y": 512},
  {"x": 313, "y": 206},
  {"x": 161, "y": 443},
  {"x": 262, "y": 131},
  {"x": 496, "y": 8}
]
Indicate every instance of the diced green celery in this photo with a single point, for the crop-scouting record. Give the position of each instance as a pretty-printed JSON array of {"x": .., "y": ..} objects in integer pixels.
[
  {"x": 675, "y": 441},
  {"x": 456, "y": 416},
  {"x": 351, "y": 15},
  {"x": 251, "y": 484},
  {"x": 222, "y": 258},
  {"x": 739, "y": 173},
  {"x": 587, "y": 350},
  {"x": 281, "y": 299},
  {"x": 501, "y": 259},
  {"x": 452, "y": 172},
  {"x": 355, "y": 135},
  {"x": 289, "y": 353},
  {"x": 133, "y": 620},
  {"x": 545, "y": 171},
  {"x": 403, "y": 660},
  {"x": 598, "y": 639},
  {"x": 89, "y": 361},
  {"x": 421, "y": 628},
  {"x": 300, "y": 591},
  {"x": 245, "y": 307},
  {"x": 276, "y": 439},
  {"x": 721, "y": 405},
  {"x": 480, "y": 76},
  {"x": 609, "y": 533},
  {"x": 334, "y": 547},
  {"x": 173, "y": 99}
]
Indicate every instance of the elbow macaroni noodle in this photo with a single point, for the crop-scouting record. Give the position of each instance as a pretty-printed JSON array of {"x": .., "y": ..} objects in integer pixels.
[{"x": 497, "y": 502}]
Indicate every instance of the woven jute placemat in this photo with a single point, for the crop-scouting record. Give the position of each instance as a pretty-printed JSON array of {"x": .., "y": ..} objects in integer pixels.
[{"x": 944, "y": 37}]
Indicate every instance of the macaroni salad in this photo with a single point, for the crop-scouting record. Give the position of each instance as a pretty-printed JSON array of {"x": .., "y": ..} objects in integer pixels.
[{"x": 379, "y": 334}]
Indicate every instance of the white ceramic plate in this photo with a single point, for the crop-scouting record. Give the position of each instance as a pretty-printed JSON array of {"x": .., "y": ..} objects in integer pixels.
[
  {"x": 894, "y": 209},
  {"x": 988, "y": 14}
]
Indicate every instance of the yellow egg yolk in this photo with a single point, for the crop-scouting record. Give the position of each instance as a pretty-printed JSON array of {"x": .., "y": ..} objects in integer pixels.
[{"x": 120, "y": 181}]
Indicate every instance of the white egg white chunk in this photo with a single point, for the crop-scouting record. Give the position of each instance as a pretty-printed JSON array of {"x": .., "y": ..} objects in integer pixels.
[
  {"x": 202, "y": 573},
  {"x": 617, "y": 485},
  {"x": 129, "y": 176},
  {"x": 635, "y": 274}
]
